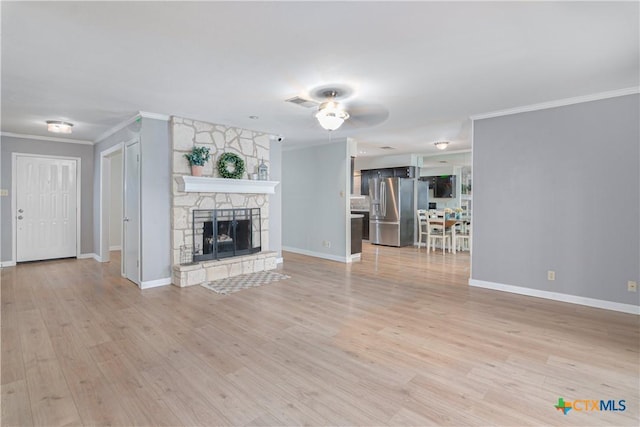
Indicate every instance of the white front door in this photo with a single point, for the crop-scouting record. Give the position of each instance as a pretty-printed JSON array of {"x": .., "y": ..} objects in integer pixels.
[
  {"x": 46, "y": 208},
  {"x": 131, "y": 210}
]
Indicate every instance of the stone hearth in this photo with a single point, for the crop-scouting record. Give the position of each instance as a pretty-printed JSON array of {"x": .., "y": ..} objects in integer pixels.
[{"x": 207, "y": 271}]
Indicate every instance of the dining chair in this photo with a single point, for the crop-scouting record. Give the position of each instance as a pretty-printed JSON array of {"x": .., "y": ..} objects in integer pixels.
[
  {"x": 463, "y": 238},
  {"x": 421, "y": 215},
  {"x": 436, "y": 230}
]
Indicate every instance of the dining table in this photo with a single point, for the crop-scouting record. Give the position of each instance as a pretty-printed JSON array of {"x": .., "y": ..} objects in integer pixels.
[{"x": 450, "y": 223}]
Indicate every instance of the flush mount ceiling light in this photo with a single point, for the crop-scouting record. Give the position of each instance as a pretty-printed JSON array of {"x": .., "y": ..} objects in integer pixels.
[
  {"x": 57, "y": 126},
  {"x": 330, "y": 114},
  {"x": 441, "y": 145}
]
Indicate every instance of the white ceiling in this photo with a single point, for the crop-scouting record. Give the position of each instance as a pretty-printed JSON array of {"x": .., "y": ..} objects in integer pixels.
[{"x": 429, "y": 65}]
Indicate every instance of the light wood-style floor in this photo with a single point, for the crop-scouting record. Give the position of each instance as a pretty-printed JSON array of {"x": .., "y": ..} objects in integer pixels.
[{"x": 397, "y": 339}]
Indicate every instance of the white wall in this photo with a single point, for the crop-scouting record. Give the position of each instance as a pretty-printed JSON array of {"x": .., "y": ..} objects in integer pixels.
[
  {"x": 390, "y": 161},
  {"x": 434, "y": 161},
  {"x": 275, "y": 200},
  {"x": 315, "y": 201},
  {"x": 115, "y": 203}
]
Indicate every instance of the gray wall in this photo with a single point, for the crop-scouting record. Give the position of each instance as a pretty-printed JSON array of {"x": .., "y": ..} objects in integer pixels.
[
  {"x": 10, "y": 145},
  {"x": 155, "y": 192},
  {"x": 123, "y": 135},
  {"x": 115, "y": 208},
  {"x": 559, "y": 189},
  {"x": 313, "y": 208},
  {"x": 275, "y": 200}
]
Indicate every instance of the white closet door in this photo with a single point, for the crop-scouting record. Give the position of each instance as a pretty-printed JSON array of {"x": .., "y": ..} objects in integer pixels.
[
  {"x": 131, "y": 210},
  {"x": 46, "y": 209}
]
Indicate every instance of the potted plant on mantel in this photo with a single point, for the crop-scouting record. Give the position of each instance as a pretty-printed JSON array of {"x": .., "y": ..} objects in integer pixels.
[{"x": 197, "y": 158}]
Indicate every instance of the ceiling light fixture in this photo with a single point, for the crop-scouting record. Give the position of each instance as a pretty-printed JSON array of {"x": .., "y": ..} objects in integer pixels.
[
  {"x": 57, "y": 126},
  {"x": 330, "y": 114},
  {"x": 441, "y": 145}
]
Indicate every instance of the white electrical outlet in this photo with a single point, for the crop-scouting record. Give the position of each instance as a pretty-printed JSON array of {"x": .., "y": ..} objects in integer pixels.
[
  {"x": 4, "y": 192},
  {"x": 632, "y": 286},
  {"x": 326, "y": 243},
  {"x": 551, "y": 275}
]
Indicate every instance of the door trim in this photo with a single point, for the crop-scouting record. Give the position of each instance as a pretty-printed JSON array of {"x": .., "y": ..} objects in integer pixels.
[
  {"x": 133, "y": 141},
  {"x": 102, "y": 199},
  {"x": 14, "y": 201}
]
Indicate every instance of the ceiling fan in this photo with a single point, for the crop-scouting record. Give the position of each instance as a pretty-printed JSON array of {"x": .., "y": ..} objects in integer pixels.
[
  {"x": 335, "y": 108},
  {"x": 330, "y": 114}
]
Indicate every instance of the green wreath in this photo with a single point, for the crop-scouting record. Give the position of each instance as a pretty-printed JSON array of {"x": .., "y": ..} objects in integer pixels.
[{"x": 230, "y": 166}]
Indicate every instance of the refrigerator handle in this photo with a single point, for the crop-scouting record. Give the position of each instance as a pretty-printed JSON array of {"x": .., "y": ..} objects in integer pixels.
[{"x": 383, "y": 197}]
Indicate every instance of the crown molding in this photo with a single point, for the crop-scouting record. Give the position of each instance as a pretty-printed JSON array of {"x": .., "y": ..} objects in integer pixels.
[
  {"x": 115, "y": 129},
  {"x": 155, "y": 116},
  {"x": 559, "y": 103},
  {"x": 100, "y": 138},
  {"x": 124, "y": 124},
  {"x": 47, "y": 138}
]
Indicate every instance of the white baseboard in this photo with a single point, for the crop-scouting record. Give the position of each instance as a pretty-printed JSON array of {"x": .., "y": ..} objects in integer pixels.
[
  {"x": 354, "y": 257},
  {"x": 573, "y": 299},
  {"x": 315, "y": 254},
  {"x": 91, "y": 255},
  {"x": 279, "y": 260},
  {"x": 80, "y": 256},
  {"x": 155, "y": 283},
  {"x": 115, "y": 248}
]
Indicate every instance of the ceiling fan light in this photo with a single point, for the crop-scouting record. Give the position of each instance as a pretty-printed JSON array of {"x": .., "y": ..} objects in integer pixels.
[
  {"x": 441, "y": 145},
  {"x": 331, "y": 116},
  {"x": 329, "y": 121},
  {"x": 57, "y": 126}
]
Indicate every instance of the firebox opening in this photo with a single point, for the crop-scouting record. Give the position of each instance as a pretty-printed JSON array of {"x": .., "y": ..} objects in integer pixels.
[{"x": 223, "y": 233}]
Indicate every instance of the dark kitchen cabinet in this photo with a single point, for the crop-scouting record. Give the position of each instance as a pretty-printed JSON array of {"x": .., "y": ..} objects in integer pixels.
[
  {"x": 399, "y": 172},
  {"x": 365, "y": 176},
  {"x": 365, "y": 223},
  {"x": 356, "y": 232},
  {"x": 405, "y": 172},
  {"x": 365, "y": 226},
  {"x": 443, "y": 186}
]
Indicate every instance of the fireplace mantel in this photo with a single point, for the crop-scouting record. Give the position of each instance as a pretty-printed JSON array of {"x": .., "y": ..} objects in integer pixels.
[{"x": 203, "y": 184}]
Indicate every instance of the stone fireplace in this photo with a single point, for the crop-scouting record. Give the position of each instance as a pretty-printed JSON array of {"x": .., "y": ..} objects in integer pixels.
[{"x": 204, "y": 206}]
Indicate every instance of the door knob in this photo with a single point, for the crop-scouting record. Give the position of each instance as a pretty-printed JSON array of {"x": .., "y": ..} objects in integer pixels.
[
  {"x": 125, "y": 219},
  {"x": 19, "y": 216},
  {"x": 20, "y": 211}
]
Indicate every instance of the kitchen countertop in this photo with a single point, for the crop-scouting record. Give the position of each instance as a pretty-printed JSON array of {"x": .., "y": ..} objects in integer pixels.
[{"x": 357, "y": 216}]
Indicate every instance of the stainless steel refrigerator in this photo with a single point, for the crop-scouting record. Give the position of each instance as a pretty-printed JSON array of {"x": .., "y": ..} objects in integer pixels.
[{"x": 391, "y": 214}]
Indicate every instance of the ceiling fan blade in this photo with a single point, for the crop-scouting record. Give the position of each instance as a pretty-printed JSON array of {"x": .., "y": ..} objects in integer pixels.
[{"x": 366, "y": 115}]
